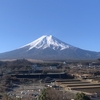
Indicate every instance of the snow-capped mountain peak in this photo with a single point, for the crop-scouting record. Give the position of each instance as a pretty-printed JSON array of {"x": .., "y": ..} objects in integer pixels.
[{"x": 48, "y": 41}]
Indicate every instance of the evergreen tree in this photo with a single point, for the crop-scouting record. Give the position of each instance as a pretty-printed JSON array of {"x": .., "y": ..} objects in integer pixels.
[
  {"x": 81, "y": 96},
  {"x": 43, "y": 95}
]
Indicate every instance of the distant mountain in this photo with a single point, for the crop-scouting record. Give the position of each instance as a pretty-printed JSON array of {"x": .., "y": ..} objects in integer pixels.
[{"x": 49, "y": 48}]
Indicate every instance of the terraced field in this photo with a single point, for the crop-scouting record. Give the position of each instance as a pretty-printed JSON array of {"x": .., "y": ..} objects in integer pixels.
[
  {"x": 89, "y": 90},
  {"x": 80, "y": 85}
]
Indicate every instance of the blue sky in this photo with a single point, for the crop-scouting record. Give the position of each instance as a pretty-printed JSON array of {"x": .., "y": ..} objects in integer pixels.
[{"x": 76, "y": 22}]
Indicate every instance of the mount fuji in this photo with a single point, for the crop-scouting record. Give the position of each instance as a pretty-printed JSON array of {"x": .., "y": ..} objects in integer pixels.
[{"x": 49, "y": 47}]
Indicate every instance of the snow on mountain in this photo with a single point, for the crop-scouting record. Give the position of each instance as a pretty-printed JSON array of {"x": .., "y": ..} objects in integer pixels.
[{"x": 48, "y": 41}]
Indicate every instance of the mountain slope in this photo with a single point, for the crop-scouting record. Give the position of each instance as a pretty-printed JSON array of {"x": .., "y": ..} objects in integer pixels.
[{"x": 49, "y": 48}]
